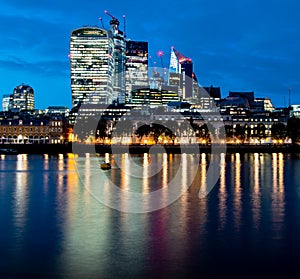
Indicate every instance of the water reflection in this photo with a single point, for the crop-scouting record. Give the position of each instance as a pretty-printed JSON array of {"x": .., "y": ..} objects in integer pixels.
[
  {"x": 21, "y": 193},
  {"x": 237, "y": 191},
  {"x": 256, "y": 200},
  {"x": 278, "y": 204},
  {"x": 93, "y": 240},
  {"x": 222, "y": 193}
]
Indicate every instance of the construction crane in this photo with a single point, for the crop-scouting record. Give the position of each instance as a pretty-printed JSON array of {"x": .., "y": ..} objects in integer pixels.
[
  {"x": 124, "y": 22},
  {"x": 160, "y": 54},
  {"x": 114, "y": 22},
  {"x": 101, "y": 20},
  {"x": 109, "y": 14}
]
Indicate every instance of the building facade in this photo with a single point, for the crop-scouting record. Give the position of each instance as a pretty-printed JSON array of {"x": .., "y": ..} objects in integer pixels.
[
  {"x": 5, "y": 102},
  {"x": 182, "y": 70},
  {"x": 136, "y": 66},
  {"x": 119, "y": 89},
  {"x": 22, "y": 98},
  {"x": 92, "y": 66}
]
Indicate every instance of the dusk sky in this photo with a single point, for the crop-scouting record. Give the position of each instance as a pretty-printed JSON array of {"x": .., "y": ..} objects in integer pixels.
[{"x": 239, "y": 45}]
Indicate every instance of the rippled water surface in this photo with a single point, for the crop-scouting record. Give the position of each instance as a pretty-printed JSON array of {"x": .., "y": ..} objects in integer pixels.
[{"x": 56, "y": 220}]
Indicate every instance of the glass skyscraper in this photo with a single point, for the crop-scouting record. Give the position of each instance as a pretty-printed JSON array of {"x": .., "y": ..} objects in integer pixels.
[
  {"x": 136, "y": 66},
  {"x": 181, "y": 68},
  {"x": 92, "y": 66},
  {"x": 22, "y": 98},
  {"x": 119, "y": 59}
]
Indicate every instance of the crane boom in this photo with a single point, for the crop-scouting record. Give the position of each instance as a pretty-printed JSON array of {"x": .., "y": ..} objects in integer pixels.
[
  {"x": 100, "y": 18},
  {"x": 124, "y": 22},
  {"x": 106, "y": 12}
]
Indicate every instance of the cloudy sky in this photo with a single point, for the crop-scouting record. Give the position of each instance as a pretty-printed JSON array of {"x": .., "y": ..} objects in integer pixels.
[{"x": 239, "y": 45}]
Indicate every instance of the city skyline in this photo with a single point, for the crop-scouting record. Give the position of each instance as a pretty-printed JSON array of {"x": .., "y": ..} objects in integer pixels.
[{"x": 249, "y": 46}]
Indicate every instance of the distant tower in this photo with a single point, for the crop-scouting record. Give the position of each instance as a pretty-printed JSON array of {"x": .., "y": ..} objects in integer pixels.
[
  {"x": 92, "y": 66},
  {"x": 22, "y": 98},
  {"x": 181, "y": 67},
  {"x": 119, "y": 59},
  {"x": 5, "y": 102},
  {"x": 136, "y": 65}
]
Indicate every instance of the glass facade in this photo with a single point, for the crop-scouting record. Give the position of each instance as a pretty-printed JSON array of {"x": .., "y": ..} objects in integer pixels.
[
  {"x": 92, "y": 66},
  {"x": 119, "y": 59},
  {"x": 136, "y": 65},
  {"x": 183, "y": 66},
  {"x": 22, "y": 98}
]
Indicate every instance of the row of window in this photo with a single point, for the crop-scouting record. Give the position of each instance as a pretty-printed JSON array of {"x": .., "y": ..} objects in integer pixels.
[{"x": 24, "y": 129}]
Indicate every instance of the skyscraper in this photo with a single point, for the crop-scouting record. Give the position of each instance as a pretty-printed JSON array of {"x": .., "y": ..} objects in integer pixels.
[
  {"x": 136, "y": 65},
  {"x": 92, "y": 66},
  {"x": 181, "y": 67},
  {"x": 5, "y": 102},
  {"x": 22, "y": 98},
  {"x": 119, "y": 60}
]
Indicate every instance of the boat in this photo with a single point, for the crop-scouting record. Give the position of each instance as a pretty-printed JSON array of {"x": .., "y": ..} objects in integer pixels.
[
  {"x": 8, "y": 151},
  {"x": 105, "y": 166}
]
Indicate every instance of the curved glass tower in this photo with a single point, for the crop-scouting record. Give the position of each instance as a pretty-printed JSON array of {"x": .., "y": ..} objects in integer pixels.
[{"x": 92, "y": 66}]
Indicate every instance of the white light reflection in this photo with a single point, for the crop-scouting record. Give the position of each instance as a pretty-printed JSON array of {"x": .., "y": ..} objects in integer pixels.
[
  {"x": 278, "y": 204},
  {"x": 237, "y": 192},
  {"x": 256, "y": 202},
  {"x": 222, "y": 192},
  {"x": 21, "y": 194}
]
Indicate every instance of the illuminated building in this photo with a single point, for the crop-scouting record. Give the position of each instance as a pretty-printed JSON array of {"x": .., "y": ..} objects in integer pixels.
[
  {"x": 136, "y": 65},
  {"x": 209, "y": 97},
  {"x": 18, "y": 129},
  {"x": 151, "y": 97},
  {"x": 181, "y": 71},
  {"x": 119, "y": 89},
  {"x": 92, "y": 66},
  {"x": 5, "y": 102},
  {"x": 22, "y": 98},
  {"x": 169, "y": 94}
]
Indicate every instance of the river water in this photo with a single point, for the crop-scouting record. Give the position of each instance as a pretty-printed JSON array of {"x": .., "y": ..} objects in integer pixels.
[{"x": 59, "y": 217}]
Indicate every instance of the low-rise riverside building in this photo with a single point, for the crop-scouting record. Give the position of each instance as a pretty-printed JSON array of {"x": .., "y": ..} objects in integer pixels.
[{"x": 34, "y": 130}]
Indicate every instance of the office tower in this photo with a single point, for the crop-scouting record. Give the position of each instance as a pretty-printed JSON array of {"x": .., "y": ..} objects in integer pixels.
[
  {"x": 22, "y": 98},
  {"x": 146, "y": 96},
  {"x": 209, "y": 97},
  {"x": 119, "y": 89},
  {"x": 92, "y": 66},
  {"x": 5, "y": 102},
  {"x": 136, "y": 65},
  {"x": 181, "y": 69},
  {"x": 169, "y": 94}
]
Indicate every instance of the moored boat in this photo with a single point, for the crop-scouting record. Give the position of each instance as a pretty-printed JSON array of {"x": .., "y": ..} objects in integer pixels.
[
  {"x": 8, "y": 151},
  {"x": 105, "y": 166}
]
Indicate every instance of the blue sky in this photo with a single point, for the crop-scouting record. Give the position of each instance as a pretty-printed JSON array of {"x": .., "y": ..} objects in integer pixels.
[{"x": 239, "y": 45}]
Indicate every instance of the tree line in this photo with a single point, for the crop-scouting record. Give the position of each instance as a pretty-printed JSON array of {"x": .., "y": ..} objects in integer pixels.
[{"x": 170, "y": 130}]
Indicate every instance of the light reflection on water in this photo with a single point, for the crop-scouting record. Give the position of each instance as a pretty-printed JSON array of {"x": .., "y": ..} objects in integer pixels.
[{"x": 51, "y": 221}]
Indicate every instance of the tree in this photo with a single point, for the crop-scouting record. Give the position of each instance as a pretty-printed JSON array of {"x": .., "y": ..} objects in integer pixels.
[
  {"x": 239, "y": 132},
  {"x": 157, "y": 130},
  {"x": 228, "y": 132},
  {"x": 143, "y": 130},
  {"x": 278, "y": 131},
  {"x": 204, "y": 132},
  {"x": 247, "y": 131},
  {"x": 101, "y": 132},
  {"x": 293, "y": 129},
  {"x": 260, "y": 131}
]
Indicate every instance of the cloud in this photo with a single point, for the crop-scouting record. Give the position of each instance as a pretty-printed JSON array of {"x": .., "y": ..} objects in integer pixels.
[{"x": 244, "y": 45}]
